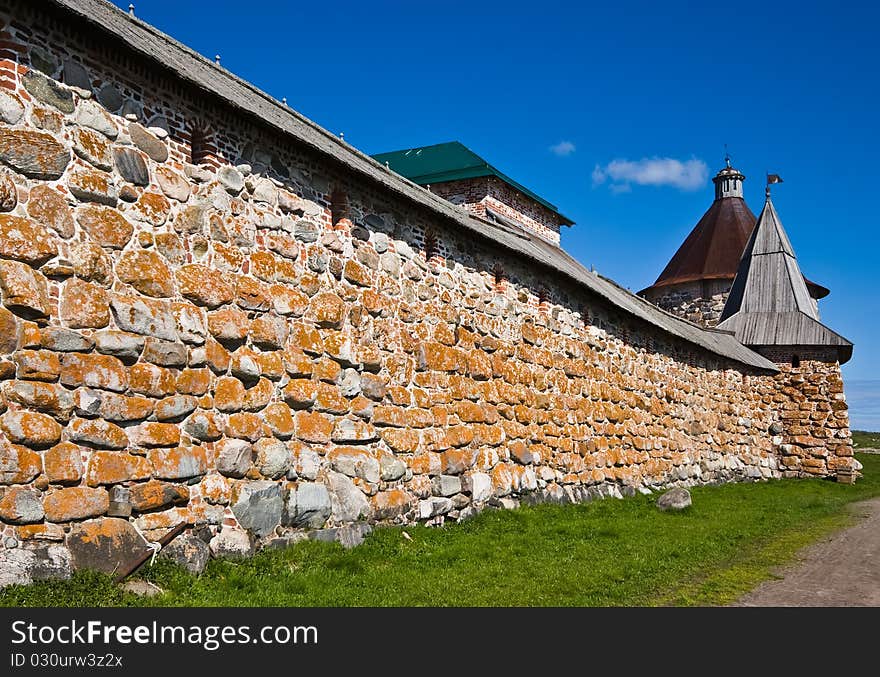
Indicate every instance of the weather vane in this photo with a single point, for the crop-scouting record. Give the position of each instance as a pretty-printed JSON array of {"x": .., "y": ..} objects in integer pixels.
[
  {"x": 771, "y": 179},
  {"x": 726, "y": 156}
]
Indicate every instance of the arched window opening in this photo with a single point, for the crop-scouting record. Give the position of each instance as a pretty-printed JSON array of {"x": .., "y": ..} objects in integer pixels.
[
  {"x": 201, "y": 143},
  {"x": 338, "y": 206},
  {"x": 432, "y": 246},
  {"x": 543, "y": 299},
  {"x": 500, "y": 277}
]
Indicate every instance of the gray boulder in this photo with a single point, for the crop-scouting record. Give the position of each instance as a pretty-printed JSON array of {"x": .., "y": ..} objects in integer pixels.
[
  {"x": 231, "y": 543},
  {"x": 308, "y": 505},
  {"x": 348, "y": 503},
  {"x": 677, "y": 498},
  {"x": 188, "y": 551},
  {"x": 259, "y": 507}
]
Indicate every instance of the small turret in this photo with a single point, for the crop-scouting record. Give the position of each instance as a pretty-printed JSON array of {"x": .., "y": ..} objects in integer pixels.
[{"x": 728, "y": 182}]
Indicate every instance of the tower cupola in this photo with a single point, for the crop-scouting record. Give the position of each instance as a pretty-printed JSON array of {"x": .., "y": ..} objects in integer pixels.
[{"x": 728, "y": 182}]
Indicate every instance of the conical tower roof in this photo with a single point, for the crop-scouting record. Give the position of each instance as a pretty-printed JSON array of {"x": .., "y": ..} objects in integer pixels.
[
  {"x": 769, "y": 303},
  {"x": 713, "y": 249}
]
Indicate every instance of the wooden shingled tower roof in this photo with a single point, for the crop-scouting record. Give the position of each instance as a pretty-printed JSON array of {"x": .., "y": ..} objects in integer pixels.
[{"x": 769, "y": 304}]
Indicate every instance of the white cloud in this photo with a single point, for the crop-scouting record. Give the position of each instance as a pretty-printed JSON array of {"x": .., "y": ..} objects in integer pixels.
[
  {"x": 563, "y": 148},
  {"x": 655, "y": 171}
]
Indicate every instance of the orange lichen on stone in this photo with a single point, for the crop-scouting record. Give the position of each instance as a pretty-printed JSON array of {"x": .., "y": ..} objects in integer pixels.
[
  {"x": 24, "y": 240},
  {"x": 75, "y": 503},
  {"x": 63, "y": 463},
  {"x": 106, "y": 226}
]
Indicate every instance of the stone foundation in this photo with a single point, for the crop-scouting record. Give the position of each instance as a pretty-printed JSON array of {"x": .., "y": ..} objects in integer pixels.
[{"x": 225, "y": 345}]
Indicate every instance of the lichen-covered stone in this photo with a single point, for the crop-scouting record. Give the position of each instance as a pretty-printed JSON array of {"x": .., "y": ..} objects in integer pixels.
[
  {"x": 178, "y": 463},
  {"x": 97, "y": 433},
  {"x": 63, "y": 463},
  {"x": 30, "y": 429},
  {"x": 164, "y": 353},
  {"x": 204, "y": 286},
  {"x": 204, "y": 425},
  {"x": 25, "y": 240},
  {"x": 48, "y": 91},
  {"x": 124, "y": 409},
  {"x": 175, "y": 407},
  {"x": 148, "y": 142},
  {"x": 327, "y": 310},
  {"x": 21, "y": 505},
  {"x": 84, "y": 305},
  {"x": 108, "y": 545},
  {"x": 392, "y": 503},
  {"x": 94, "y": 371},
  {"x": 151, "y": 208},
  {"x": 144, "y": 316},
  {"x": 48, "y": 398},
  {"x": 228, "y": 325},
  {"x": 154, "y": 495},
  {"x": 74, "y": 503},
  {"x": 93, "y": 148},
  {"x": 8, "y": 193},
  {"x": 64, "y": 340},
  {"x": 154, "y": 434},
  {"x": 93, "y": 186},
  {"x": 113, "y": 467},
  {"x": 37, "y": 365},
  {"x": 18, "y": 464},
  {"x": 90, "y": 262},
  {"x": 105, "y": 226},
  {"x": 354, "y": 462},
  {"x": 34, "y": 154}
]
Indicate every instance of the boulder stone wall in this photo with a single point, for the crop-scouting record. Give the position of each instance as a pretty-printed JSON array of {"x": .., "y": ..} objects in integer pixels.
[{"x": 264, "y": 347}]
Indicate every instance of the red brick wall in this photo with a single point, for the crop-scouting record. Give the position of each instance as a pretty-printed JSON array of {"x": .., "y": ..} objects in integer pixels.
[{"x": 486, "y": 191}]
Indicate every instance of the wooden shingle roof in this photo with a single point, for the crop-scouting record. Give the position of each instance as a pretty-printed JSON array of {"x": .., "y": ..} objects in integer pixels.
[{"x": 769, "y": 304}]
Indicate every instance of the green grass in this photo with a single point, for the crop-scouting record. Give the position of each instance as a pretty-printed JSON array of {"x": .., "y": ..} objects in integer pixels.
[
  {"x": 611, "y": 552},
  {"x": 863, "y": 439}
]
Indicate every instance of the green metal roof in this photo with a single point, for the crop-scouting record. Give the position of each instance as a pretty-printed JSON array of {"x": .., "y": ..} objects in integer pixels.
[{"x": 451, "y": 162}]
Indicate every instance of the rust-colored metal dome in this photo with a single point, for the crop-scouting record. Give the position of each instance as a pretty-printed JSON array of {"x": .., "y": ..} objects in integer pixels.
[{"x": 713, "y": 249}]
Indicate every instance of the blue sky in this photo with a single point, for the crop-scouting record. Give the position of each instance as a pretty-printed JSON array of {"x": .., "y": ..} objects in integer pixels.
[{"x": 549, "y": 92}]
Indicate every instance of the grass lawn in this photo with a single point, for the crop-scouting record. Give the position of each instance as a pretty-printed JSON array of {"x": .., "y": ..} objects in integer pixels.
[
  {"x": 611, "y": 552},
  {"x": 865, "y": 440}
]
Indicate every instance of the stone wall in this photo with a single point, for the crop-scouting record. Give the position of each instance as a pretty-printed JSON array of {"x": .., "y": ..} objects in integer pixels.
[
  {"x": 208, "y": 344},
  {"x": 698, "y": 302},
  {"x": 815, "y": 438}
]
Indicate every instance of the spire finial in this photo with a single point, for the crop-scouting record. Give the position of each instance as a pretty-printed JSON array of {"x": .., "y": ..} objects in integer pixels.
[
  {"x": 726, "y": 156},
  {"x": 217, "y": 59}
]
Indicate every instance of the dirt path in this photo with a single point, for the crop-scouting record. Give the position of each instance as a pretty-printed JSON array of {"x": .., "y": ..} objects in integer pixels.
[{"x": 841, "y": 570}]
